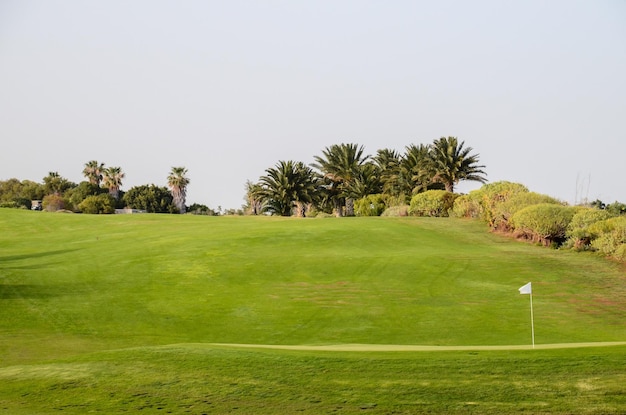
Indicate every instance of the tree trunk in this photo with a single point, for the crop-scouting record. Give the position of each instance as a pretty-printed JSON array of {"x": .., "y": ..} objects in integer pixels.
[
  {"x": 349, "y": 206},
  {"x": 338, "y": 208},
  {"x": 300, "y": 210}
]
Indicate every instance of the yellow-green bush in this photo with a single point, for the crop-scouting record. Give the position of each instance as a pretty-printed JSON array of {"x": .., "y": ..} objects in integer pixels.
[
  {"x": 435, "y": 203},
  {"x": 580, "y": 232},
  {"x": 467, "y": 206},
  {"x": 482, "y": 203},
  {"x": 102, "y": 203},
  {"x": 611, "y": 237},
  {"x": 545, "y": 223},
  {"x": 402, "y": 210},
  {"x": 371, "y": 205},
  {"x": 53, "y": 202},
  {"x": 503, "y": 211}
]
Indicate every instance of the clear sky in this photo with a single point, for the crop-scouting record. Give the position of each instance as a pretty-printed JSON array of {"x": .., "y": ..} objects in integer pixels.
[{"x": 229, "y": 88}]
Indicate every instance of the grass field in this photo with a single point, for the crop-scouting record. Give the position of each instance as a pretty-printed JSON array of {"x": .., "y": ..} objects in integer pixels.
[{"x": 133, "y": 313}]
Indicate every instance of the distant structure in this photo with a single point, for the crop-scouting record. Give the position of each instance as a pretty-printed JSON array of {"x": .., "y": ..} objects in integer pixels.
[{"x": 128, "y": 211}]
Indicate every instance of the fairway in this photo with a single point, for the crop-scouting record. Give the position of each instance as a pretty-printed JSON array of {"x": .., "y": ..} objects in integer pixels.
[{"x": 87, "y": 301}]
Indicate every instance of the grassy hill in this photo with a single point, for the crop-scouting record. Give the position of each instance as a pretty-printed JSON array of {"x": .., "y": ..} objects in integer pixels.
[{"x": 92, "y": 305}]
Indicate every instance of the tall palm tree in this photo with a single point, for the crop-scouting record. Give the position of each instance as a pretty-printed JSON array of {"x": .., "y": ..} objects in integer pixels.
[
  {"x": 453, "y": 163},
  {"x": 286, "y": 186},
  {"x": 112, "y": 179},
  {"x": 388, "y": 163},
  {"x": 339, "y": 165},
  {"x": 177, "y": 182},
  {"x": 254, "y": 197},
  {"x": 417, "y": 168},
  {"x": 56, "y": 184},
  {"x": 93, "y": 172},
  {"x": 366, "y": 182}
]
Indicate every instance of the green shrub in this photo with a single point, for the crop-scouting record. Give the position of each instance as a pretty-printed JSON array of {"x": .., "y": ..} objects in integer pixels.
[
  {"x": 53, "y": 202},
  {"x": 467, "y": 206},
  {"x": 102, "y": 203},
  {"x": 390, "y": 200},
  {"x": 580, "y": 231},
  {"x": 620, "y": 252},
  {"x": 402, "y": 210},
  {"x": 9, "y": 204},
  {"x": 616, "y": 208},
  {"x": 611, "y": 236},
  {"x": 494, "y": 194},
  {"x": 502, "y": 212},
  {"x": 370, "y": 205},
  {"x": 436, "y": 203},
  {"x": 545, "y": 223}
]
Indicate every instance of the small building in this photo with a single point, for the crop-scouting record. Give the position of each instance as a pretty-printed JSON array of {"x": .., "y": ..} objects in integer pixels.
[{"x": 128, "y": 211}]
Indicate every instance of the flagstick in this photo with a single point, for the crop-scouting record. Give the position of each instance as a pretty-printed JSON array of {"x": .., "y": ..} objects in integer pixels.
[{"x": 532, "y": 320}]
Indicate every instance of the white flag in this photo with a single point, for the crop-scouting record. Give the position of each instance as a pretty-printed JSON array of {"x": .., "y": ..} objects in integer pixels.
[{"x": 526, "y": 289}]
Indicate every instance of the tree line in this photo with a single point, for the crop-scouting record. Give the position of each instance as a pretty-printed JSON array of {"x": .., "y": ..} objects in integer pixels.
[
  {"x": 344, "y": 181},
  {"x": 99, "y": 193}
]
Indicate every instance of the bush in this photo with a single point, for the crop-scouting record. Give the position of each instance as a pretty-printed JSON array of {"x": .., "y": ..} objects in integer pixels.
[
  {"x": 545, "y": 223},
  {"x": 52, "y": 203},
  {"x": 76, "y": 195},
  {"x": 198, "y": 209},
  {"x": 467, "y": 206},
  {"x": 151, "y": 198},
  {"x": 580, "y": 231},
  {"x": 502, "y": 212},
  {"x": 616, "y": 208},
  {"x": 371, "y": 205},
  {"x": 402, "y": 210},
  {"x": 435, "y": 203},
  {"x": 390, "y": 200},
  {"x": 102, "y": 203},
  {"x": 611, "y": 237},
  {"x": 11, "y": 204},
  {"x": 493, "y": 194},
  {"x": 620, "y": 253}
]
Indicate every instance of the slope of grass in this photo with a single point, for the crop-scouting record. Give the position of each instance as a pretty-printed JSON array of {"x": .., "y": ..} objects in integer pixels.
[{"x": 77, "y": 291}]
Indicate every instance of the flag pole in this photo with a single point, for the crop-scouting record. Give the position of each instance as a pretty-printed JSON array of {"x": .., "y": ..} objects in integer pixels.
[
  {"x": 532, "y": 320},
  {"x": 528, "y": 289}
]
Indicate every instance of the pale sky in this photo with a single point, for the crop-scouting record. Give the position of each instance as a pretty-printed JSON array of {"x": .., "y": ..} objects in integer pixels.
[{"x": 229, "y": 88}]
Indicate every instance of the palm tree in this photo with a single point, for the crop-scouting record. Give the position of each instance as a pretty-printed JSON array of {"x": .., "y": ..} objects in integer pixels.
[
  {"x": 56, "y": 184},
  {"x": 366, "y": 182},
  {"x": 112, "y": 179},
  {"x": 417, "y": 169},
  {"x": 388, "y": 164},
  {"x": 339, "y": 166},
  {"x": 287, "y": 186},
  {"x": 254, "y": 198},
  {"x": 177, "y": 182},
  {"x": 93, "y": 172},
  {"x": 452, "y": 163}
]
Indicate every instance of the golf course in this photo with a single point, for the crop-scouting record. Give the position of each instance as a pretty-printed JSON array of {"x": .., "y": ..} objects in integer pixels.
[{"x": 186, "y": 314}]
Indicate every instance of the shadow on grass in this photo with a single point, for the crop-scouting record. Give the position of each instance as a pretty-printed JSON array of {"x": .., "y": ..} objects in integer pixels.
[
  {"x": 33, "y": 291},
  {"x": 16, "y": 262},
  {"x": 11, "y": 258}
]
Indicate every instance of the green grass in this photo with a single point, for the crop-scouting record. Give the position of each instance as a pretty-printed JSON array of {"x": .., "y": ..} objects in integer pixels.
[{"x": 122, "y": 313}]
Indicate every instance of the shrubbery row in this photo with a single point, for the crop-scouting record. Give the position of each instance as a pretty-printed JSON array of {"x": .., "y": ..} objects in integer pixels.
[{"x": 512, "y": 208}]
